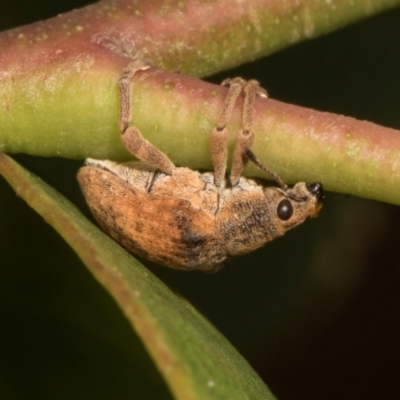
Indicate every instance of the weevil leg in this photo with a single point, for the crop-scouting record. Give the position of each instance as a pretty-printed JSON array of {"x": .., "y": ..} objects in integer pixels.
[
  {"x": 245, "y": 136},
  {"x": 220, "y": 133},
  {"x": 131, "y": 136}
]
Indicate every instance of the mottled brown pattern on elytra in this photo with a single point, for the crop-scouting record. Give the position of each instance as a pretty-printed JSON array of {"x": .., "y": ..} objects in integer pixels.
[{"x": 171, "y": 231}]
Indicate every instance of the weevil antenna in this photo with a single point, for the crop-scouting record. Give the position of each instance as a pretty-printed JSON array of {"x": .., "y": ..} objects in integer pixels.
[{"x": 251, "y": 156}]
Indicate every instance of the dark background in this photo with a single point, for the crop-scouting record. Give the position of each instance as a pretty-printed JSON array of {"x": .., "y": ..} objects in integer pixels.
[{"x": 316, "y": 313}]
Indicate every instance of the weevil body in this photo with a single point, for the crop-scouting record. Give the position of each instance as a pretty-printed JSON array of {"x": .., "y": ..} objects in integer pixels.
[{"x": 188, "y": 220}]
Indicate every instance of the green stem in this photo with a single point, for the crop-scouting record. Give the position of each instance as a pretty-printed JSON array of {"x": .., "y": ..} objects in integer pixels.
[
  {"x": 196, "y": 37},
  {"x": 58, "y": 88}
]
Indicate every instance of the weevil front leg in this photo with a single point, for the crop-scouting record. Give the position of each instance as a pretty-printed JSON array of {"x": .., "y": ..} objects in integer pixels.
[
  {"x": 131, "y": 136},
  {"x": 245, "y": 136}
]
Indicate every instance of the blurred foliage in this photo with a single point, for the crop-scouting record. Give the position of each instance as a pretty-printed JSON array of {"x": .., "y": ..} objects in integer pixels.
[{"x": 316, "y": 312}]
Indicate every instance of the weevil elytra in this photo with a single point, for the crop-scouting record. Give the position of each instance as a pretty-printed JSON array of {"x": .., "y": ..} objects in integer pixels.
[{"x": 185, "y": 219}]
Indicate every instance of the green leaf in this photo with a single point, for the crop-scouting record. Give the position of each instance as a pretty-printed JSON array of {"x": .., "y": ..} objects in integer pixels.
[{"x": 196, "y": 361}]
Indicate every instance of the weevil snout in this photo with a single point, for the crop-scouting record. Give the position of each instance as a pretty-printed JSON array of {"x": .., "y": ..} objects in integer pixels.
[{"x": 317, "y": 191}]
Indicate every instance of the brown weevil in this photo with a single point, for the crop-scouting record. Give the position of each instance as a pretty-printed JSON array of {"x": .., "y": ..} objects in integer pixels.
[{"x": 185, "y": 219}]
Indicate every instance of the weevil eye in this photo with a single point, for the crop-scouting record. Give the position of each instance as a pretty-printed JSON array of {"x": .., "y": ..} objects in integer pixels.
[{"x": 284, "y": 209}]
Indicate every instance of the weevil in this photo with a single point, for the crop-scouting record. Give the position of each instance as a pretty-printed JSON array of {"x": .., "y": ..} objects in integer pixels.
[{"x": 185, "y": 219}]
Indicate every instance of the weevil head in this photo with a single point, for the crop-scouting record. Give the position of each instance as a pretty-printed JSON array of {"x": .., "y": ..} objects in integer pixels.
[{"x": 293, "y": 206}]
